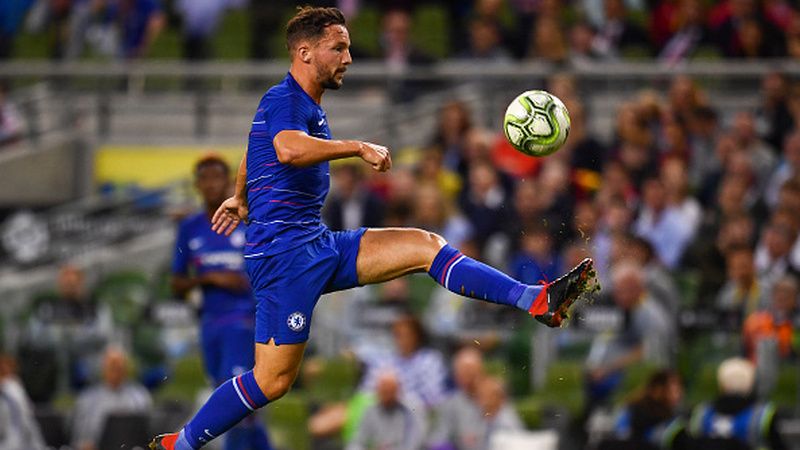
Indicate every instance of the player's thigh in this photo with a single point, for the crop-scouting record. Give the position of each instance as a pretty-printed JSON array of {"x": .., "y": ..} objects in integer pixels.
[
  {"x": 277, "y": 366},
  {"x": 387, "y": 253}
]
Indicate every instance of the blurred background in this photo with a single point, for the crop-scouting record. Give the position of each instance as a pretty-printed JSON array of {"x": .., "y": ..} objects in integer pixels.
[{"x": 681, "y": 178}]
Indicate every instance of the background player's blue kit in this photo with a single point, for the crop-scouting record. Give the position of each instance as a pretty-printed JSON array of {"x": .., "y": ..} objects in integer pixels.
[{"x": 227, "y": 325}]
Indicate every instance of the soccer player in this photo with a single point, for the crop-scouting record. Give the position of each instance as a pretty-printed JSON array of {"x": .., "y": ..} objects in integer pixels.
[
  {"x": 215, "y": 263},
  {"x": 292, "y": 258}
]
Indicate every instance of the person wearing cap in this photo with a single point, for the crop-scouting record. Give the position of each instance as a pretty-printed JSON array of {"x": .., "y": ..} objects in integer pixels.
[{"x": 736, "y": 419}]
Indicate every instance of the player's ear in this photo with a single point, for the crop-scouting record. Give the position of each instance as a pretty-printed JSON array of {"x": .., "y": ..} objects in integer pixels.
[{"x": 304, "y": 52}]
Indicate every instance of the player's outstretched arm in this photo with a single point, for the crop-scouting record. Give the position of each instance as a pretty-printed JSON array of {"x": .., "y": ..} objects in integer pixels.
[
  {"x": 297, "y": 148},
  {"x": 234, "y": 209}
]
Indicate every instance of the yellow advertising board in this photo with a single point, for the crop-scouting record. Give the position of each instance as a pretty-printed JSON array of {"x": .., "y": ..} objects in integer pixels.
[{"x": 153, "y": 167}]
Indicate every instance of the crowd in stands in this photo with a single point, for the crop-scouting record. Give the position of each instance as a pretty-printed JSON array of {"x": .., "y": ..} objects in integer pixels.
[
  {"x": 562, "y": 32},
  {"x": 690, "y": 213}
]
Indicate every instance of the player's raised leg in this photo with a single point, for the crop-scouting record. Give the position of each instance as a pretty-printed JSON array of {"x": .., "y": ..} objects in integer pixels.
[
  {"x": 275, "y": 370},
  {"x": 388, "y": 253}
]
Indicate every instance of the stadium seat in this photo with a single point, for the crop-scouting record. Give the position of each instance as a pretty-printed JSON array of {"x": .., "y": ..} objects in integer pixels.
[
  {"x": 619, "y": 444},
  {"x": 53, "y": 426},
  {"x": 125, "y": 431},
  {"x": 127, "y": 295},
  {"x": 719, "y": 444}
]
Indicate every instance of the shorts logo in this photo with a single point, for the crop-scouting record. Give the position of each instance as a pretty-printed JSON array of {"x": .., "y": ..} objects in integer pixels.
[{"x": 296, "y": 321}]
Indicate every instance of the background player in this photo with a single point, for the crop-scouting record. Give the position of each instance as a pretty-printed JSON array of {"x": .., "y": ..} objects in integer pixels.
[
  {"x": 215, "y": 263},
  {"x": 292, "y": 258}
]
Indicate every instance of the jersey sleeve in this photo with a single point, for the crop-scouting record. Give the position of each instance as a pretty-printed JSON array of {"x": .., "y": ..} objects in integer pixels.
[
  {"x": 287, "y": 113},
  {"x": 180, "y": 260}
]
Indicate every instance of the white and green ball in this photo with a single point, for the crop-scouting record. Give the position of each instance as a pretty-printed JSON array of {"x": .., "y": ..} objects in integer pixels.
[{"x": 536, "y": 123}]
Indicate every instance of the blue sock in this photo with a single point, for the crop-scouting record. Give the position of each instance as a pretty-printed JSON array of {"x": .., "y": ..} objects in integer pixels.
[
  {"x": 470, "y": 278},
  {"x": 234, "y": 400}
]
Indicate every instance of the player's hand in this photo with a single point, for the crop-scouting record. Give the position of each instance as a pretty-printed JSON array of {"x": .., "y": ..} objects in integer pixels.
[
  {"x": 231, "y": 281},
  {"x": 377, "y": 156},
  {"x": 228, "y": 215}
]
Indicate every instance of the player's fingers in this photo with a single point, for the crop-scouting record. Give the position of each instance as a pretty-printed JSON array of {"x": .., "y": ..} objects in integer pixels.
[
  {"x": 231, "y": 227},
  {"x": 388, "y": 161},
  {"x": 218, "y": 214},
  {"x": 223, "y": 224}
]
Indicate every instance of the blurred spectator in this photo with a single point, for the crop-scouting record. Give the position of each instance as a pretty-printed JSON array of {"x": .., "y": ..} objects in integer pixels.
[
  {"x": 581, "y": 49},
  {"x": 774, "y": 121},
  {"x": 74, "y": 324},
  {"x": 793, "y": 35},
  {"x": 735, "y": 419},
  {"x": 92, "y": 26},
  {"x": 432, "y": 211},
  {"x": 499, "y": 414},
  {"x": 11, "y": 123},
  {"x": 115, "y": 394},
  {"x": 513, "y": 40},
  {"x": 762, "y": 157},
  {"x": 351, "y": 205},
  {"x": 664, "y": 226},
  {"x": 635, "y": 143},
  {"x": 453, "y": 124},
  {"x": 615, "y": 221},
  {"x": 702, "y": 128},
  {"x": 684, "y": 97},
  {"x": 397, "y": 50},
  {"x": 741, "y": 29},
  {"x": 199, "y": 22},
  {"x": 707, "y": 256},
  {"x": 431, "y": 168},
  {"x": 643, "y": 333},
  {"x": 618, "y": 35},
  {"x": 459, "y": 418},
  {"x": 485, "y": 43},
  {"x": 675, "y": 177},
  {"x": 483, "y": 202},
  {"x": 779, "y": 322},
  {"x": 265, "y": 15},
  {"x": 651, "y": 420},
  {"x": 658, "y": 280},
  {"x": 583, "y": 150},
  {"x": 689, "y": 34},
  {"x": 537, "y": 260},
  {"x": 420, "y": 369},
  {"x": 743, "y": 293},
  {"x": 141, "y": 21},
  {"x": 548, "y": 41},
  {"x": 12, "y": 14},
  {"x": 391, "y": 423},
  {"x": 772, "y": 254},
  {"x": 788, "y": 168},
  {"x": 18, "y": 427}
]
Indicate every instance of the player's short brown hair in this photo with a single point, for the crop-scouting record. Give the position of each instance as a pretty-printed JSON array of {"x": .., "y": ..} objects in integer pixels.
[
  {"x": 310, "y": 23},
  {"x": 211, "y": 159}
]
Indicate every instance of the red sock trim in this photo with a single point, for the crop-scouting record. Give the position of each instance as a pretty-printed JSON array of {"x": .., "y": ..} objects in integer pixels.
[{"x": 539, "y": 305}]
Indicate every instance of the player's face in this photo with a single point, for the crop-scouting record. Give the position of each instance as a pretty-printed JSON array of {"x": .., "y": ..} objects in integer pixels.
[
  {"x": 213, "y": 184},
  {"x": 331, "y": 56}
]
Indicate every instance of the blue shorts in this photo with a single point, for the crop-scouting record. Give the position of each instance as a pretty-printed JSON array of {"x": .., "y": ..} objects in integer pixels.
[
  {"x": 288, "y": 285},
  {"x": 227, "y": 347}
]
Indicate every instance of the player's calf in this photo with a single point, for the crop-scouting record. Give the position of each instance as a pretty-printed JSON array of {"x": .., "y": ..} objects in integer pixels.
[{"x": 468, "y": 277}]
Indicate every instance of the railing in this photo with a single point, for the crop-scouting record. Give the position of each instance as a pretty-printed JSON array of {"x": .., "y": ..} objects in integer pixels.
[{"x": 208, "y": 91}]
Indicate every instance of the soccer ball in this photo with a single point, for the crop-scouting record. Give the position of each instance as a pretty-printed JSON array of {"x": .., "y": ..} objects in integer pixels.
[{"x": 536, "y": 123}]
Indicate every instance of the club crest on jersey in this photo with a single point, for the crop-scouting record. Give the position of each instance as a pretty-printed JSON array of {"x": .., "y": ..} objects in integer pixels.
[{"x": 296, "y": 321}]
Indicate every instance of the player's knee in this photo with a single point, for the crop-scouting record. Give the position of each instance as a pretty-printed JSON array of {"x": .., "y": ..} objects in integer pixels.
[
  {"x": 432, "y": 241},
  {"x": 274, "y": 386}
]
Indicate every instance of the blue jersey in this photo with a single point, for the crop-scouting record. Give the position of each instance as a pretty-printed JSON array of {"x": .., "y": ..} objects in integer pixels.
[
  {"x": 199, "y": 250},
  {"x": 284, "y": 201}
]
